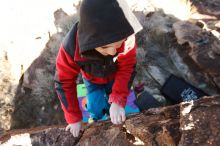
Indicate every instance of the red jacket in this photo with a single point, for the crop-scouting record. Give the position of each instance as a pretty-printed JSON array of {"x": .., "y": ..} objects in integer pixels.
[{"x": 67, "y": 71}]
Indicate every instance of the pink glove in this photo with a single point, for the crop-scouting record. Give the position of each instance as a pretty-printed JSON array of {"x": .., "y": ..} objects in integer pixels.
[
  {"x": 74, "y": 128},
  {"x": 117, "y": 114}
]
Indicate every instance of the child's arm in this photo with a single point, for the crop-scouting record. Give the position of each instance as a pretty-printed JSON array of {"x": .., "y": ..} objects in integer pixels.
[
  {"x": 65, "y": 83},
  {"x": 126, "y": 67}
]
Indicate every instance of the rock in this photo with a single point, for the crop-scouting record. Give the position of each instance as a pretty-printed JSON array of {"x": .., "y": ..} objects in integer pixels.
[
  {"x": 200, "y": 122},
  {"x": 189, "y": 9},
  {"x": 105, "y": 134},
  {"x": 35, "y": 91},
  {"x": 206, "y": 7},
  {"x": 7, "y": 90},
  {"x": 189, "y": 123},
  {"x": 164, "y": 56},
  {"x": 156, "y": 126},
  {"x": 35, "y": 97},
  {"x": 157, "y": 74},
  {"x": 29, "y": 100},
  {"x": 44, "y": 136},
  {"x": 153, "y": 64},
  {"x": 53, "y": 136},
  {"x": 159, "y": 53},
  {"x": 63, "y": 21},
  {"x": 1, "y": 131},
  {"x": 204, "y": 48}
]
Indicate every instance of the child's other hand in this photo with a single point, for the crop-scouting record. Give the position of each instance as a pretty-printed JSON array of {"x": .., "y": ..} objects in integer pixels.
[
  {"x": 74, "y": 128},
  {"x": 117, "y": 114}
]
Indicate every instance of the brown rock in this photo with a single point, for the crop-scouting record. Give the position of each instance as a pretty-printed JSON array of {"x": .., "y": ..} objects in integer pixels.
[
  {"x": 53, "y": 137},
  {"x": 207, "y": 7},
  {"x": 105, "y": 133},
  {"x": 200, "y": 122},
  {"x": 204, "y": 47},
  {"x": 156, "y": 126},
  {"x": 44, "y": 136},
  {"x": 7, "y": 89},
  {"x": 35, "y": 96},
  {"x": 35, "y": 100}
]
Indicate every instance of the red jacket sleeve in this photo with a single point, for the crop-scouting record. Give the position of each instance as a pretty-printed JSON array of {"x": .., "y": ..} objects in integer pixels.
[
  {"x": 65, "y": 84},
  {"x": 126, "y": 67}
]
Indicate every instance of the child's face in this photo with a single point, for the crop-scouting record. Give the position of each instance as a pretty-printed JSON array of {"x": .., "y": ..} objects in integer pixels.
[{"x": 110, "y": 49}]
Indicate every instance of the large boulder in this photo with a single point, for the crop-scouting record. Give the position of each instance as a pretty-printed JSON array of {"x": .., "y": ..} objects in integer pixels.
[
  {"x": 202, "y": 47},
  {"x": 189, "y": 123}
]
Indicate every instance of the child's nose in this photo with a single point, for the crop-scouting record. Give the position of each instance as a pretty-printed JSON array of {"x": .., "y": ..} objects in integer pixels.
[{"x": 112, "y": 51}]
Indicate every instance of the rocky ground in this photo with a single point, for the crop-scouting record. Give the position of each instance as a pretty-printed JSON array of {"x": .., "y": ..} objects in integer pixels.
[{"x": 188, "y": 48}]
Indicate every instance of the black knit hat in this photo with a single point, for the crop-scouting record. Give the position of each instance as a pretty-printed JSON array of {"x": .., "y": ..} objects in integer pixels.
[{"x": 103, "y": 22}]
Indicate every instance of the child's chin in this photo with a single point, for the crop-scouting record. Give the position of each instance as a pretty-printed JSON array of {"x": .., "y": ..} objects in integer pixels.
[
  {"x": 108, "y": 54},
  {"x": 111, "y": 54},
  {"x": 105, "y": 54}
]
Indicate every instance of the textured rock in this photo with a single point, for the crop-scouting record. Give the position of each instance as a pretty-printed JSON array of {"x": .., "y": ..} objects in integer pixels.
[
  {"x": 45, "y": 136},
  {"x": 204, "y": 48},
  {"x": 156, "y": 126},
  {"x": 153, "y": 64},
  {"x": 207, "y": 7},
  {"x": 35, "y": 101},
  {"x": 105, "y": 134},
  {"x": 7, "y": 90},
  {"x": 200, "y": 122},
  {"x": 190, "y": 123},
  {"x": 32, "y": 101},
  {"x": 159, "y": 55},
  {"x": 35, "y": 98},
  {"x": 53, "y": 137}
]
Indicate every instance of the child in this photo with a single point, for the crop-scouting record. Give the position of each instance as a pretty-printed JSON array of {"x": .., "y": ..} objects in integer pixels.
[{"x": 102, "y": 47}]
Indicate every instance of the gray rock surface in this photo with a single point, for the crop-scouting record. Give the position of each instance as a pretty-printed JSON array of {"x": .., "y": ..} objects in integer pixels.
[{"x": 203, "y": 48}]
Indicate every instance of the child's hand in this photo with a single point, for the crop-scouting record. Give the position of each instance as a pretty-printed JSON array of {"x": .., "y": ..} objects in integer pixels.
[
  {"x": 117, "y": 114},
  {"x": 74, "y": 128}
]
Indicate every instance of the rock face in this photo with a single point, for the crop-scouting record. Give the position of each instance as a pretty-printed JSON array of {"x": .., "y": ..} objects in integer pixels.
[
  {"x": 199, "y": 122},
  {"x": 35, "y": 97},
  {"x": 156, "y": 126},
  {"x": 190, "y": 123},
  {"x": 207, "y": 7},
  {"x": 33, "y": 102},
  {"x": 203, "y": 48},
  {"x": 7, "y": 90},
  {"x": 37, "y": 81},
  {"x": 166, "y": 45}
]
